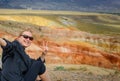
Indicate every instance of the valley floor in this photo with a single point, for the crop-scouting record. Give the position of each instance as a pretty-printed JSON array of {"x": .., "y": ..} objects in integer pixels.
[{"x": 82, "y": 73}]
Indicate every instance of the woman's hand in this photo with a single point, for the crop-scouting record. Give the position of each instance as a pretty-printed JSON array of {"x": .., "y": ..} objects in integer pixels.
[{"x": 2, "y": 42}]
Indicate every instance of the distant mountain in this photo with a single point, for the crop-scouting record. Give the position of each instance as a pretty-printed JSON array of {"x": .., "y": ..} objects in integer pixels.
[{"x": 72, "y": 5}]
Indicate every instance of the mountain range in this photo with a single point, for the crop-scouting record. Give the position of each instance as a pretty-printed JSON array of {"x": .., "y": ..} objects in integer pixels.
[{"x": 69, "y": 5}]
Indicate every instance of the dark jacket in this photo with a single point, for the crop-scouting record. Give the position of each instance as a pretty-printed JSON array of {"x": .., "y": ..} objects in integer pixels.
[{"x": 15, "y": 62}]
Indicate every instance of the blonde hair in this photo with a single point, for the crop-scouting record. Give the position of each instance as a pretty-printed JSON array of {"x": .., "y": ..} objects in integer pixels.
[{"x": 29, "y": 30}]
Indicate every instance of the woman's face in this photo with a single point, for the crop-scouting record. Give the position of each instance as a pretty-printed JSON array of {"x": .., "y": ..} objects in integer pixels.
[{"x": 25, "y": 38}]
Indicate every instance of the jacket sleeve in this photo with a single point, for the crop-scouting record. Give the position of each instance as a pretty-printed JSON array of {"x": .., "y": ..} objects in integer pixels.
[{"x": 7, "y": 50}]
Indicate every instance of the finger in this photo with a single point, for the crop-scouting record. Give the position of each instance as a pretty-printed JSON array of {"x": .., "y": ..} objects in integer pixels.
[{"x": 45, "y": 45}]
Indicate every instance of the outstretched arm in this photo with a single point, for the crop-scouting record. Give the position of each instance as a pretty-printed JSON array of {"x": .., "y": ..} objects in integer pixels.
[{"x": 2, "y": 42}]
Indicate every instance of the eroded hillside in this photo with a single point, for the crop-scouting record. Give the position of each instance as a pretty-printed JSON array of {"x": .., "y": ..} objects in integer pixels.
[{"x": 81, "y": 39}]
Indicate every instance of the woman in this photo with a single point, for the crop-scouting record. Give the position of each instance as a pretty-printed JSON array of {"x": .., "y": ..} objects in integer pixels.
[{"x": 16, "y": 64}]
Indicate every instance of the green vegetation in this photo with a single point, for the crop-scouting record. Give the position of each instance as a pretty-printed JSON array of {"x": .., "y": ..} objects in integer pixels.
[
  {"x": 90, "y": 24},
  {"x": 96, "y": 23},
  {"x": 59, "y": 68}
]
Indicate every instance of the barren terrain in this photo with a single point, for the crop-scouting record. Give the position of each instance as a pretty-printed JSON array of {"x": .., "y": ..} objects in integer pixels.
[{"x": 69, "y": 72}]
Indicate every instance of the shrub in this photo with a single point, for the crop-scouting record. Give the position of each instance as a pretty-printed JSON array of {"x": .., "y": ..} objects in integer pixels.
[{"x": 60, "y": 68}]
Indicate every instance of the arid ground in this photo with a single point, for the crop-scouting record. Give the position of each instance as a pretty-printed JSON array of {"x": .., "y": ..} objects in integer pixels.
[{"x": 81, "y": 73}]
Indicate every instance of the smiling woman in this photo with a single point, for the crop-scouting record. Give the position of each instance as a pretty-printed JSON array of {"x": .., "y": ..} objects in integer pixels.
[
  {"x": 25, "y": 38},
  {"x": 16, "y": 64}
]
